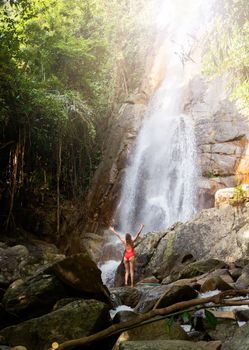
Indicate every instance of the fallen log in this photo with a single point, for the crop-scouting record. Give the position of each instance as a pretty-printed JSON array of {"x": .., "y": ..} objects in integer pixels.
[{"x": 218, "y": 299}]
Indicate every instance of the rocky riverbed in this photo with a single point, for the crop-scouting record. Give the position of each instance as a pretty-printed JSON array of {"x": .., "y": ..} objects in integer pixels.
[{"x": 47, "y": 297}]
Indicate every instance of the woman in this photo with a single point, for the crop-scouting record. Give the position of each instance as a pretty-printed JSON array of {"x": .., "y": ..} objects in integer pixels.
[{"x": 129, "y": 256}]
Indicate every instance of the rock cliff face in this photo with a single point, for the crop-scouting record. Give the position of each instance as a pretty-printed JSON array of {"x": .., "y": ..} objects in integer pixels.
[{"x": 222, "y": 136}]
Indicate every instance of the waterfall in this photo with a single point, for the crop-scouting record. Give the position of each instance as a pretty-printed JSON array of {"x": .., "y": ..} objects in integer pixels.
[{"x": 160, "y": 183}]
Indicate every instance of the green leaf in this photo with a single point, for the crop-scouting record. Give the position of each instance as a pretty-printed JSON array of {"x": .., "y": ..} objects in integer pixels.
[
  {"x": 186, "y": 316},
  {"x": 168, "y": 324},
  {"x": 211, "y": 319}
]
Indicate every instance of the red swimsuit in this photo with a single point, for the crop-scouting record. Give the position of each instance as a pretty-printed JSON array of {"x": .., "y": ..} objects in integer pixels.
[{"x": 129, "y": 253}]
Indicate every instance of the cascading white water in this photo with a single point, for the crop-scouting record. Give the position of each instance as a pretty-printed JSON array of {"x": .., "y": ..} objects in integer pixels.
[
  {"x": 159, "y": 187},
  {"x": 160, "y": 181}
]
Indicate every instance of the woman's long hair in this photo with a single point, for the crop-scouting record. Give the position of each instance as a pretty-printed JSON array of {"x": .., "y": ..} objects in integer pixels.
[{"x": 129, "y": 240}]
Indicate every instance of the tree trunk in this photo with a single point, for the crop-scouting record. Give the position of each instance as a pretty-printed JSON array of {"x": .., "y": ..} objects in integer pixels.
[{"x": 58, "y": 186}]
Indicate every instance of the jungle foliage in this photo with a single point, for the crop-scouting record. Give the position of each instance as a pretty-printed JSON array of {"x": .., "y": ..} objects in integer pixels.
[
  {"x": 64, "y": 64},
  {"x": 227, "y": 47}
]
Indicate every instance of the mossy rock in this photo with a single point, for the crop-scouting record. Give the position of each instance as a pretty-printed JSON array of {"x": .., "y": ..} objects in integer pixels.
[{"x": 75, "y": 320}]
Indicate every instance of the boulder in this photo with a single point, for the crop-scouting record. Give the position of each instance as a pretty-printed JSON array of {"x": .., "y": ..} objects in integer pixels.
[
  {"x": 34, "y": 297},
  {"x": 211, "y": 234},
  {"x": 232, "y": 196},
  {"x": 124, "y": 316},
  {"x": 169, "y": 344},
  {"x": 152, "y": 331},
  {"x": 198, "y": 268},
  {"x": 235, "y": 273},
  {"x": 127, "y": 296},
  {"x": 242, "y": 315},
  {"x": 174, "y": 295},
  {"x": 192, "y": 282},
  {"x": 23, "y": 261},
  {"x": 223, "y": 331},
  {"x": 239, "y": 340},
  {"x": 150, "y": 296},
  {"x": 93, "y": 244},
  {"x": 77, "y": 319},
  {"x": 151, "y": 280},
  {"x": 80, "y": 273},
  {"x": 75, "y": 276},
  {"x": 243, "y": 281},
  {"x": 214, "y": 283}
]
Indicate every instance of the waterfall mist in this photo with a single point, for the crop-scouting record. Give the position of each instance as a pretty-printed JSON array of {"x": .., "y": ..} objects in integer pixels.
[{"x": 160, "y": 182}]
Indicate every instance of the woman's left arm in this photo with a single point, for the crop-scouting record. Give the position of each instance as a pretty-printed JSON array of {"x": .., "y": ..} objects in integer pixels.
[{"x": 139, "y": 231}]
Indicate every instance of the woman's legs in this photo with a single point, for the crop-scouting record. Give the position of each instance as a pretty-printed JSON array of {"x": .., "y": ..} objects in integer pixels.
[
  {"x": 127, "y": 270},
  {"x": 131, "y": 263}
]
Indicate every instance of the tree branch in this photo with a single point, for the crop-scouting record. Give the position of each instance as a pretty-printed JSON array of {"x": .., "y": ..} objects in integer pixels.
[{"x": 119, "y": 328}]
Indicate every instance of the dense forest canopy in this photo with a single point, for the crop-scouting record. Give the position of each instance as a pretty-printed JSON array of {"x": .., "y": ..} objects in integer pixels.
[
  {"x": 64, "y": 65},
  {"x": 227, "y": 48}
]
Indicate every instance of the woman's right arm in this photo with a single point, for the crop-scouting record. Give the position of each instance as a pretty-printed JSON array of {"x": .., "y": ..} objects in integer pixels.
[{"x": 116, "y": 233}]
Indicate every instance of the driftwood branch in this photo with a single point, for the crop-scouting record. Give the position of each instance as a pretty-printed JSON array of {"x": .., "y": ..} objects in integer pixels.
[{"x": 218, "y": 299}]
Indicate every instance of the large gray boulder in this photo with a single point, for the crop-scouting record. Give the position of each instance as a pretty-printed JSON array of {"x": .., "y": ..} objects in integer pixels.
[
  {"x": 239, "y": 340},
  {"x": 77, "y": 319},
  {"x": 211, "y": 234},
  {"x": 25, "y": 260},
  {"x": 152, "y": 331},
  {"x": 169, "y": 345},
  {"x": 80, "y": 273},
  {"x": 76, "y": 276},
  {"x": 34, "y": 297}
]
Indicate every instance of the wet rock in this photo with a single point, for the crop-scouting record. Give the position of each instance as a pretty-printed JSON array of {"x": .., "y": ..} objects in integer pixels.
[
  {"x": 124, "y": 315},
  {"x": 223, "y": 331},
  {"x": 93, "y": 244},
  {"x": 242, "y": 315},
  {"x": 34, "y": 297},
  {"x": 75, "y": 276},
  {"x": 239, "y": 340},
  {"x": 192, "y": 282},
  {"x": 149, "y": 280},
  {"x": 152, "y": 331},
  {"x": 214, "y": 283},
  {"x": 21, "y": 261},
  {"x": 80, "y": 273},
  {"x": 127, "y": 296},
  {"x": 10, "y": 259},
  {"x": 150, "y": 296},
  {"x": 75, "y": 320},
  {"x": 235, "y": 273},
  {"x": 242, "y": 262},
  {"x": 225, "y": 196},
  {"x": 210, "y": 234},
  {"x": 199, "y": 267},
  {"x": 176, "y": 294},
  {"x": 169, "y": 344},
  {"x": 243, "y": 281},
  {"x": 63, "y": 302}
]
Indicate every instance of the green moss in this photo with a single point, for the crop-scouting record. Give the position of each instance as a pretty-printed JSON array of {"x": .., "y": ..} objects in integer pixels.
[{"x": 169, "y": 249}]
